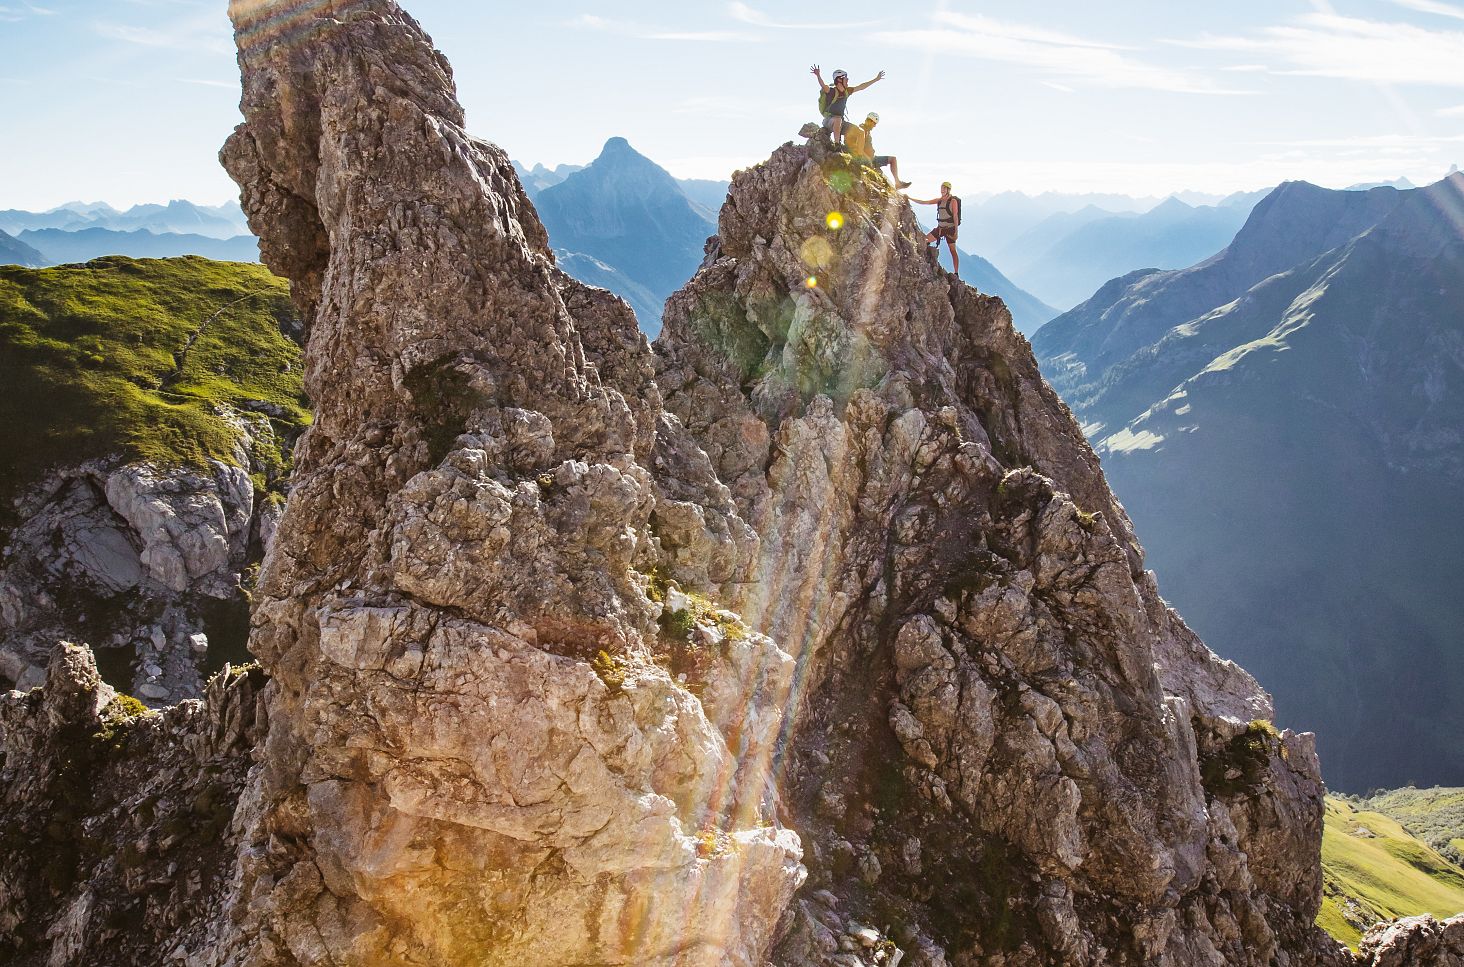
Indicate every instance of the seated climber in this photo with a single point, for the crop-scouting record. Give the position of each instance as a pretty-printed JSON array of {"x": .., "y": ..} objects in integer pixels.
[
  {"x": 833, "y": 98},
  {"x": 947, "y": 221},
  {"x": 857, "y": 139}
]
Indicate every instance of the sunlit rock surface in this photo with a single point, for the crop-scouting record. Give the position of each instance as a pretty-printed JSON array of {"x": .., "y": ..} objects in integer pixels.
[
  {"x": 478, "y": 753},
  {"x": 1005, "y": 747}
]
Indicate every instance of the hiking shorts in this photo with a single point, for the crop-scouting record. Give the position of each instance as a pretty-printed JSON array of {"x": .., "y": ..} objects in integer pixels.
[
  {"x": 947, "y": 232},
  {"x": 828, "y": 121},
  {"x": 881, "y": 160}
]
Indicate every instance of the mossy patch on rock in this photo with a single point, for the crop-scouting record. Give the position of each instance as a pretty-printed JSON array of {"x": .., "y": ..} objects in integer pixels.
[
  {"x": 1239, "y": 765},
  {"x": 140, "y": 359}
]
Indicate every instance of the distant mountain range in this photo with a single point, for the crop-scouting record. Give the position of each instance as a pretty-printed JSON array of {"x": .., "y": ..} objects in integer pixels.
[
  {"x": 992, "y": 222},
  {"x": 537, "y": 178},
  {"x": 1285, "y": 423},
  {"x": 59, "y": 246},
  {"x": 176, "y": 217},
  {"x": 1065, "y": 258},
  {"x": 82, "y": 231}
]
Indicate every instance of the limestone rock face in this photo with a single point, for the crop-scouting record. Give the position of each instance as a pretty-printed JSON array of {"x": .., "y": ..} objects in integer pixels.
[
  {"x": 117, "y": 837},
  {"x": 141, "y": 562},
  {"x": 1006, "y": 746},
  {"x": 478, "y": 752}
]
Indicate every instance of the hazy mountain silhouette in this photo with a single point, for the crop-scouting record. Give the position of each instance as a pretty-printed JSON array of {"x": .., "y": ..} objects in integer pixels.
[
  {"x": 1064, "y": 259},
  {"x": 83, "y": 245},
  {"x": 625, "y": 211},
  {"x": 15, "y": 252},
  {"x": 177, "y": 217},
  {"x": 1285, "y": 423}
]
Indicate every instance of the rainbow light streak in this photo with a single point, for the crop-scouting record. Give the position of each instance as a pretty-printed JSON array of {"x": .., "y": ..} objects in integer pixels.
[{"x": 265, "y": 23}]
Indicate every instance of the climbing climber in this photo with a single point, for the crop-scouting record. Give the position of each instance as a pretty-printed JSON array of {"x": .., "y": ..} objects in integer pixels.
[
  {"x": 857, "y": 139},
  {"x": 947, "y": 221},
  {"x": 832, "y": 99}
]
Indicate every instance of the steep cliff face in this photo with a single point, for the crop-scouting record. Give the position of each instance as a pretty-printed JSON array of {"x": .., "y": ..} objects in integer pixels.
[
  {"x": 474, "y": 754},
  {"x": 584, "y": 654},
  {"x": 1003, "y": 743}
]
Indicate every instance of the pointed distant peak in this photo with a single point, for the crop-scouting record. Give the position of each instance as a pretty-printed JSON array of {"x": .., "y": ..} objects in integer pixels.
[
  {"x": 618, "y": 147},
  {"x": 618, "y": 160}
]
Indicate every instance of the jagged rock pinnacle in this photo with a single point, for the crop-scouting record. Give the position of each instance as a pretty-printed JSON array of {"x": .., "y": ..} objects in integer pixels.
[{"x": 474, "y": 755}]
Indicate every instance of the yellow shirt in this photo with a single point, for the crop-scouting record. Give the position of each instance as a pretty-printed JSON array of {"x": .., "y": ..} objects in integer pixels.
[{"x": 858, "y": 140}]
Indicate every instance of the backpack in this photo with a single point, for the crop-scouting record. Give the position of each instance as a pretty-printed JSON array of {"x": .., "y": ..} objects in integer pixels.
[
  {"x": 825, "y": 98},
  {"x": 955, "y": 210}
]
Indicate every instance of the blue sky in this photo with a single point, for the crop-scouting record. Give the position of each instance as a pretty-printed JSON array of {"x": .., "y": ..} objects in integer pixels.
[{"x": 128, "y": 100}]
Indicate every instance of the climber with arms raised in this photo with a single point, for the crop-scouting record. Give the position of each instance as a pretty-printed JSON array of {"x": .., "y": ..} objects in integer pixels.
[
  {"x": 861, "y": 145},
  {"x": 833, "y": 98},
  {"x": 947, "y": 221}
]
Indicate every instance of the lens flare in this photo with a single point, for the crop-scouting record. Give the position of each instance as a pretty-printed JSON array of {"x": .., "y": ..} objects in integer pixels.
[
  {"x": 817, "y": 254},
  {"x": 834, "y": 221},
  {"x": 811, "y": 282}
]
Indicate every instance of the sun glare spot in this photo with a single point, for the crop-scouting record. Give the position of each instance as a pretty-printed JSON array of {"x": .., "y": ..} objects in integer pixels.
[
  {"x": 834, "y": 221},
  {"x": 811, "y": 282}
]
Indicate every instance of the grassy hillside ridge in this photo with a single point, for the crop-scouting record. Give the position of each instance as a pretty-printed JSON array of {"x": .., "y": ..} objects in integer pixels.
[
  {"x": 1434, "y": 815},
  {"x": 1373, "y": 869},
  {"x": 135, "y": 358}
]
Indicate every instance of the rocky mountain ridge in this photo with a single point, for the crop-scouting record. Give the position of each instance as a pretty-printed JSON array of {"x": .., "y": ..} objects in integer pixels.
[{"x": 812, "y": 637}]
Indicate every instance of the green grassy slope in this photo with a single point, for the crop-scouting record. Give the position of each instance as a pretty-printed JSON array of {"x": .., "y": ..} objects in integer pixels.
[
  {"x": 1373, "y": 869},
  {"x": 131, "y": 357},
  {"x": 1434, "y": 815}
]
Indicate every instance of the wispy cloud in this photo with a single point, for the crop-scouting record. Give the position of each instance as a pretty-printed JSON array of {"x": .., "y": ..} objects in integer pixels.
[
  {"x": 1059, "y": 55},
  {"x": 1330, "y": 45},
  {"x": 1433, "y": 7},
  {"x": 227, "y": 85},
  {"x": 746, "y": 14},
  {"x": 626, "y": 28},
  {"x": 195, "y": 36},
  {"x": 1457, "y": 111},
  {"x": 11, "y": 13}
]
